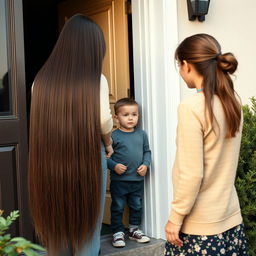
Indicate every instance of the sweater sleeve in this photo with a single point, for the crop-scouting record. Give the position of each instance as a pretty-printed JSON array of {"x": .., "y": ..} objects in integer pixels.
[
  {"x": 146, "y": 150},
  {"x": 189, "y": 163},
  {"x": 105, "y": 112},
  {"x": 111, "y": 163}
]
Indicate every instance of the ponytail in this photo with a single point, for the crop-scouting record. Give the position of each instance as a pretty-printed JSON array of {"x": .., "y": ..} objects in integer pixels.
[
  {"x": 227, "y": 65},
  {"x": 204, "y": 52}
]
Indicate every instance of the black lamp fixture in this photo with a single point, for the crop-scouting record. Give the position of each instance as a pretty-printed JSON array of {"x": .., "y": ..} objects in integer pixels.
[{"x": 197, "y": 9}]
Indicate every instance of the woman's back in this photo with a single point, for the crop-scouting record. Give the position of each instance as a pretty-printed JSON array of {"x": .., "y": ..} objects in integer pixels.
[
  {"x": 211, "y": 173},
  {"x": 205, "y": 209},
  {"x": 65, "y": 181}
]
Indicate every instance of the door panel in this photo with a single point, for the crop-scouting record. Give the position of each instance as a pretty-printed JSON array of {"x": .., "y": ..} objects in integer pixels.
[
  {"x": 13, "y": 122},
  {"x": 111, "y": 16},
  {"x": 5, "y": 108},
  {"x": 8, "y": 180},
  {"x": 104, "y": 20}
]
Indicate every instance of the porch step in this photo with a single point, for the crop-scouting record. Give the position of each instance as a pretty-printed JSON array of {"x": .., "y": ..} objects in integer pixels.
[{"x": 154, "y": 248}]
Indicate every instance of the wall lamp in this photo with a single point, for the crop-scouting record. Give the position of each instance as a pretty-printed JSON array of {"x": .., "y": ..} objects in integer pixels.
[{"x": 197, "y": 9}]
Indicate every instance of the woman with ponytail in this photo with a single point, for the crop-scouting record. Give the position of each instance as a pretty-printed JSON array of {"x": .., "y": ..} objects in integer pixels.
[
  {"x": 70, "y": 136},
  {"x": 205, "y": 218}
]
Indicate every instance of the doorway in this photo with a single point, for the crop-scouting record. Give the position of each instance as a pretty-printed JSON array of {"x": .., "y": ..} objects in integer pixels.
[{"x": 43, "y": 20}]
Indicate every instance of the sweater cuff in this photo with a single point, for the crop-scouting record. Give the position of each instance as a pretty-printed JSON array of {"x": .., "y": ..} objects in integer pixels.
[
  {"x": 147, "y": 163},
  {"x": 111, "y": 164},
  {"x": 176, "y": 218}
]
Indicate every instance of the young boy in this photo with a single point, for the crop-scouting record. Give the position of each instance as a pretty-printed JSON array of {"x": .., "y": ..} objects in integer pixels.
[{"x": 128, "y": 165}]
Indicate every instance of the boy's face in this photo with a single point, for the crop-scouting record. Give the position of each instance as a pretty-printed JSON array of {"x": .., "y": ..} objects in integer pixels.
[{"x": 127, "y": 117}]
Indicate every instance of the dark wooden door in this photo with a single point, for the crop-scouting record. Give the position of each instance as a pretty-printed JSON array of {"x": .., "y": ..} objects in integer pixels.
[{"x": 13, "y": 120}]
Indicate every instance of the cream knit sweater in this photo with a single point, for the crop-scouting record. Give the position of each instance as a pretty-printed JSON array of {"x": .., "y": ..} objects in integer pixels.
[
  {"x": 106, "y": 121},
  {"x": 205, "y": 199}
]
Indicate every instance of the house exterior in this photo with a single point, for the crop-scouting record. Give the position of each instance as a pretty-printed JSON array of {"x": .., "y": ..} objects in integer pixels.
[{"x": 157, "y": 28}]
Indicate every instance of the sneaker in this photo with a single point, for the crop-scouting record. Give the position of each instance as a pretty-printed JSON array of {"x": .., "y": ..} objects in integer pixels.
[
  {"x": 139, "y": 236},
  {"x": 118, "y": 240}
]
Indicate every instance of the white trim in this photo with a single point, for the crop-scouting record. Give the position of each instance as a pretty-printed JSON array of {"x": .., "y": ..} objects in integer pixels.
[{"x": 157, "y": 90}]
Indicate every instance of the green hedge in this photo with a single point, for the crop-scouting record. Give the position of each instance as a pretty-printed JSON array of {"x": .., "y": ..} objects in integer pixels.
[{"x": 246, "y": 175}]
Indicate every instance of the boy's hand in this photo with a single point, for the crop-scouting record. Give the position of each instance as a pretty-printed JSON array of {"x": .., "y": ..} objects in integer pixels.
[
  {"x": 142, "y": 170},
  {"x": 120, "y": 169}
]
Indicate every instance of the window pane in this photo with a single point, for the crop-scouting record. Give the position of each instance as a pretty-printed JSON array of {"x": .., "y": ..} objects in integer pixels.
[{"x": 5, "y": 108}]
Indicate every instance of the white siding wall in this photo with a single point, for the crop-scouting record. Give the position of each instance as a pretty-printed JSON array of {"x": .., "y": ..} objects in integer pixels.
[
  {"x": 157, "y": 91},
  {"x": 158, "y": 25},
  {"x": 233, "y": 24}
]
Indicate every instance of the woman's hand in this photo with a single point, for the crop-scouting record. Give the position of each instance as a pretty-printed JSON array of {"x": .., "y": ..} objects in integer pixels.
[
  {"x": 109, "y": 150},
  {"x": 107, "y": 140},
  {"x": 172, "y": 234}
]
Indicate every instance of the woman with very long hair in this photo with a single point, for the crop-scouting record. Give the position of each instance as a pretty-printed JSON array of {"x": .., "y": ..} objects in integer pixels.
[{"x": 70, "y": 135}]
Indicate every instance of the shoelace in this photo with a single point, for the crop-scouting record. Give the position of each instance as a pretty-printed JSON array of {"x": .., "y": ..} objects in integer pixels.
[
  {"x": 138, "y": 232},
  {"x": 118, "y": 235}
]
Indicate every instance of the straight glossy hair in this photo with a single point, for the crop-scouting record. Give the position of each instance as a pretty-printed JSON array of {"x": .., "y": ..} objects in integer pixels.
[
  {"x": 65, "y": 138},
  {"x": 204, "y": 52}
]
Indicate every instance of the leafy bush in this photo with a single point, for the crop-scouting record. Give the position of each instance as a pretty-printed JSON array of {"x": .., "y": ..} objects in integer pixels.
[
  {"x": 17, "y": 245},
  {"x": 246, "y": 176}
]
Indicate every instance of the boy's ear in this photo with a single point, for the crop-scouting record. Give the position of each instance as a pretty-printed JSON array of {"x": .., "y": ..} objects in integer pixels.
[{"x": 115, "y": 116}]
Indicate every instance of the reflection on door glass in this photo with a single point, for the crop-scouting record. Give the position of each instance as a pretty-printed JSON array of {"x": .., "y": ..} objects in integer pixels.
[{"x": 5, "y": 108}]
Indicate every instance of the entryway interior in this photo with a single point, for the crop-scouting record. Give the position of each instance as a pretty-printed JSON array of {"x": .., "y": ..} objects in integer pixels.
[{"x": 43, "y": 20}]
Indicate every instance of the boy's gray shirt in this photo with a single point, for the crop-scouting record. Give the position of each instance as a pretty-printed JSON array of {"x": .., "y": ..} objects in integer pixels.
[{"x": 132, "y": 150}]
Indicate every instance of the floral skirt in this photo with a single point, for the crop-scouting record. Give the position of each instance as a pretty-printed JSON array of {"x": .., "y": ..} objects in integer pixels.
[{"x": 229, "y": 243}]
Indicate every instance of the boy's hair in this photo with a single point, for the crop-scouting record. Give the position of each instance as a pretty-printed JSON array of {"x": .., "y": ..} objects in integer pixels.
[{"x": 124, "y": 102}]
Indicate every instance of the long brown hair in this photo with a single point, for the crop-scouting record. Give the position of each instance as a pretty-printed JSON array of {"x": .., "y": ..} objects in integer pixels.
[
  {"x": 65, "y": 138},
  {"x": 204, "y": 52}
]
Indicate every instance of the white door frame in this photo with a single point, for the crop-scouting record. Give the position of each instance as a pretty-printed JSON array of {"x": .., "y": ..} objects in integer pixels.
[{"x": 157, "y": 90}]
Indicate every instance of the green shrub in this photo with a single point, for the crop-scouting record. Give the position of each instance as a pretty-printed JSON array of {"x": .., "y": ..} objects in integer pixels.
[
  {"x": 246, "y": 175},
  {"x": 17, "y": 245}
]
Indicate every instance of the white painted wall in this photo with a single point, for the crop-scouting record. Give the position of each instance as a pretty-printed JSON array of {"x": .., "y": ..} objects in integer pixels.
[
  {"x": 232, "y": 23},
  {"x": 157, "y": 91},
  {"x": 158, "y": 25}
]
